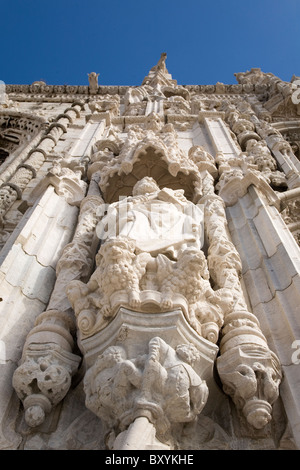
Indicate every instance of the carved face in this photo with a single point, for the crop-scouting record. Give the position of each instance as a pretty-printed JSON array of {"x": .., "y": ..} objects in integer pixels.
[
  {"x": 188, "y": 353},
  {"x": 118, "y": 249},
  {"x": 112, "y": 355},
  {"x": 194, "y": 259},
  {"x": 145, "y": 185}
]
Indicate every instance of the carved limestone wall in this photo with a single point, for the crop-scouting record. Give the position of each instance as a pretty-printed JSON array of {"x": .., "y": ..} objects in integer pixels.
[{"x": 150, "y": 266}]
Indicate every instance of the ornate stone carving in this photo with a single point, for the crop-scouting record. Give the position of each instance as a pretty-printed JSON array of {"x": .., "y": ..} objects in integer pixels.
[
  {"x": 190, "y": 277},
  {"x": 8, "y": 195},
  {"x": 105, "y": 104},
  {"x": 36, "y": 157},
  {"x": 161, "y": 386},
  {"x": 282, "y": 151},
  {"x": 203, "y": 160},
  {"x": 67, "y": 182},
  {"x": 150, "y": 289},
  {"x": 119, "y": 158},
  {"x": 49, "y": 361},
  {"x": 290, "y": 215},
  {"x": 249, "y": 371},
  {"x": 266, "y": 163},
  {"x": 159, "y": 75},
  {"x": 119, "y": 268},
  {"x": 43, "y": 379},
  {"x": 151, "y": 255}
]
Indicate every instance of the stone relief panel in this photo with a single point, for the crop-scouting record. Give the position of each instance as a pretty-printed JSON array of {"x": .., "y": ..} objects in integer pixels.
[{"x": 151, "y": 259}]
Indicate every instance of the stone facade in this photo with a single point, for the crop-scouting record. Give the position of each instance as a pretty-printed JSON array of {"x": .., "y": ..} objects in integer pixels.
[{"x": 150, "y": 265}]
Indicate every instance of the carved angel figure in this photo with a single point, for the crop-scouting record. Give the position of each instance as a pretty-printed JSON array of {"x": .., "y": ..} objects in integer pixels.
[{"x": 93, "y": 82}]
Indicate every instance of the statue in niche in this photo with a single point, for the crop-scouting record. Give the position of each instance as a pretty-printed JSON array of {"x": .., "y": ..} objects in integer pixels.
[
  {"x": 152, "y": 244},
  {"x": 159, "y": 220}
]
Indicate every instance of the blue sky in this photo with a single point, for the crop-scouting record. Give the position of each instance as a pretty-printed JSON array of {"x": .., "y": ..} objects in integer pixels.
[{"x": 61, "y": 41}]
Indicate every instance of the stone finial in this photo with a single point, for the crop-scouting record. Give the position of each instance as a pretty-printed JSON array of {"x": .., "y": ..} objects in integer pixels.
[{"x": 93, "y": 83}]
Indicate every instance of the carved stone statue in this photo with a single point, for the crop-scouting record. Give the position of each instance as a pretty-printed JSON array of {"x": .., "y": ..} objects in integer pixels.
[
  {"x": 161, "y": 64},
  {"x": 190, "y": 276},
  {"x": 151, "y": 255},
  {"x": 171, "y": 372},
  {"x": 160, "y": 385},
  {"x": 118, "y": 269},
  {"x": 93, "y": 82},
  {"x": 160, "y": 221}
]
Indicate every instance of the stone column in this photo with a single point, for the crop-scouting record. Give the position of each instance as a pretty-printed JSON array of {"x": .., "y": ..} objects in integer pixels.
[
  {"x": 270, "y": 270},
  {"x": 249, "y": 371},
  {"x": 49, "y": 362}
]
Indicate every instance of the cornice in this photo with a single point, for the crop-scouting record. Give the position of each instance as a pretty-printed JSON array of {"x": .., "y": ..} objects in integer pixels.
[{"x": 58, "y": 91}]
